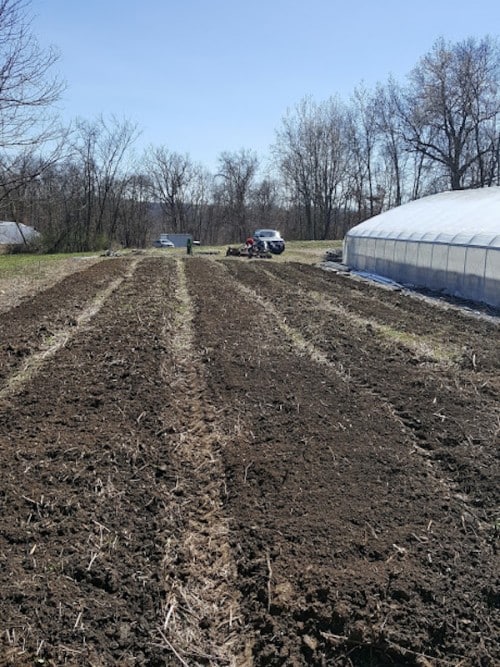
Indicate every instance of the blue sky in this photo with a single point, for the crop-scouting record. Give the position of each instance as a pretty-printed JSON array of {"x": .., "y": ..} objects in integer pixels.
[{"x": 206, "y": 76}]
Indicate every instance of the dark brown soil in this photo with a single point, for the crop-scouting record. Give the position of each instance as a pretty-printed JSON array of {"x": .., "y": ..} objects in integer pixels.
[{"x": 330, "y": 445}]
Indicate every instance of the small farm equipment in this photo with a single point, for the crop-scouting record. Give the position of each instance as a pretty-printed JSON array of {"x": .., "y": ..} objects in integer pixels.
[{"x": 249, "y": 251}]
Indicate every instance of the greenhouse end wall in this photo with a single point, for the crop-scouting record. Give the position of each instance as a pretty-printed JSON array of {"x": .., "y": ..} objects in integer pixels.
[{"x": 468, "y": 272}]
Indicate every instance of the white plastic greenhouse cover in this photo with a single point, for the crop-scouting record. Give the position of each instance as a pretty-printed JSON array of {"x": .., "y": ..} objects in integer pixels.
[
  {"x": 10, "y": 233},
  {"x": 447, "y": 242}
]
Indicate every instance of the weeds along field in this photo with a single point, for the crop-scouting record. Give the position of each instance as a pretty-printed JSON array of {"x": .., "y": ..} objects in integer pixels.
[{"x": 210, "y": 461}]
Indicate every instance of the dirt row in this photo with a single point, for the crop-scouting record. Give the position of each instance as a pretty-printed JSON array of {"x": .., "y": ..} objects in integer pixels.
[
  {"x": 20, "y": 285},
  {"x": 90, "y": 488},
  {"x": 36, "y": 322},
  {"x": 339, "y": 474},
  {"x": 448, "y": 400},
  {"x": 247, "y": 464}
]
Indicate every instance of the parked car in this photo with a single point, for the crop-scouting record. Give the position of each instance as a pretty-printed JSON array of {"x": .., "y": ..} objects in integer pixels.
[
  {"x": 271, "y": 239},
  {"x": 163, "y": 243}
]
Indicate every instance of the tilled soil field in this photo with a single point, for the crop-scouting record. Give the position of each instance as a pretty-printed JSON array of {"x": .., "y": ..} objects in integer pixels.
[{"x": 224, "y": 462}]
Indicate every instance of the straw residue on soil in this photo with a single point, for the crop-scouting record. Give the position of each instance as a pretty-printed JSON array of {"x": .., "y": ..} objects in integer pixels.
[{"x": 243, "y": 463}]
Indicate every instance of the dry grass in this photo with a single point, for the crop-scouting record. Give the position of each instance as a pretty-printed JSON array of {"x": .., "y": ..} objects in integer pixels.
[
  {"x": 201, "y": 622},
  {"x": 22, "y": 276},
  {"x": 307, "y": 252}
]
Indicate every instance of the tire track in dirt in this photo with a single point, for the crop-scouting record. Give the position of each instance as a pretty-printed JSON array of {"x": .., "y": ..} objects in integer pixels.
[
  {"x": 88, "y": 499},
  {"x": 344, "y": 549},
  {"x": 202, "y": 619}
]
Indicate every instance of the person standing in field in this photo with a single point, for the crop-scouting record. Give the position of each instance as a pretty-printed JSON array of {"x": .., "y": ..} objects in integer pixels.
[{"x": 189, "y": 247}]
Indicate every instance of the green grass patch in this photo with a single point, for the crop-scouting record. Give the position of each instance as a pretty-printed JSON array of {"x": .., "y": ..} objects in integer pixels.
[{"x": 27, "y": 265}]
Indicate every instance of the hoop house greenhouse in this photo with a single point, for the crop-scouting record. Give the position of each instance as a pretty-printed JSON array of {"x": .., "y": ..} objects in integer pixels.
[{"x": 448, "y": 242}]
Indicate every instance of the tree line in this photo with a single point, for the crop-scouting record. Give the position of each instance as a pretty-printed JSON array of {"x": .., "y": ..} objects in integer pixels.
[{"x": 333, "y": 163}]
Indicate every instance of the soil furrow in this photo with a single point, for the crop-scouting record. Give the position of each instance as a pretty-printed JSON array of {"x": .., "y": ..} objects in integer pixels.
[
  {"x": 247, "y": 463},
  {"x": 35, "y": 277},
  {"x": 47, "y": 348},
  {"x": 453, "y": 412},
  {"x": 32, "y": 325},
  {"x": 87, "y": 491},
  {"x": 403, "y": 313},
  {"x": 342, "y": 551}
]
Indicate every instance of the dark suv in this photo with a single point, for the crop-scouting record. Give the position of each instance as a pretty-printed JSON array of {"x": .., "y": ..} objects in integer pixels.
[{"x": 272, "y": 240}]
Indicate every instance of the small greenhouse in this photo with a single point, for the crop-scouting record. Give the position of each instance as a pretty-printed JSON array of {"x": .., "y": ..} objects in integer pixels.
[
  {"x": 448, "y": 242},
  {"x": 17, "y": 234}
]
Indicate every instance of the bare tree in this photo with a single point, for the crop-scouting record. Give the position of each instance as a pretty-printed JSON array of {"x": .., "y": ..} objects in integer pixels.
[
  {"x": 364, "y": 136},
  {"x": 236, "y": 174},
  {"x": 450, "y": 109},
  {"x": 102, "y": 147},
  {"x": 115, "y": 138},
  {"x": 30, "y": 139},
  {"x": 200, "y": 190},
  {"x": 171, "y": 175},
  {"x": 402, "y": 177},
  {"x": 311, "y": 154},
  {"x": 78, "y": 201},
  {"x": 265, "y": 204},
  {"x": 134, "y": 213},
  {"x": 27, "y": 88}
]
